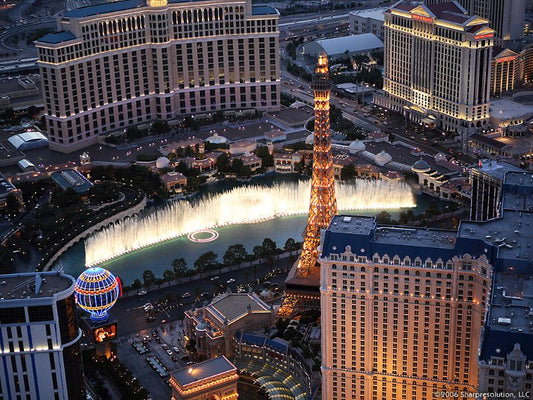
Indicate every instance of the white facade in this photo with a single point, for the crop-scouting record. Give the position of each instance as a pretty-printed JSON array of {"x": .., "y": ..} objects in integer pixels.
[
  {"x": 125, "y": 63},
  {"x": 506, "y": 16},
  {"x": 437, "y": 64},
  {"x": 368, "y": 21},
  {"x": 41, "y": 357}
]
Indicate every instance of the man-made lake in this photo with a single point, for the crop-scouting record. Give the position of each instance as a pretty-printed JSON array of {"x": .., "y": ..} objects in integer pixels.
[{"x": 159, "y": 257}]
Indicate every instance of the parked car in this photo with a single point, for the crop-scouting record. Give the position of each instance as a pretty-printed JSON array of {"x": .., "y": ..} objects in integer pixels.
[
  {"x": 186, "y": 295},
  {"x": 141, "y": 292},
  {"x": 214, "y": 278},
  {"x": 231, "y": 280}
]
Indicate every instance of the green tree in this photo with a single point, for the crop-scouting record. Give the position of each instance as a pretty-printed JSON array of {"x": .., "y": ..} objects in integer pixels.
[
  {"x": 223, "y": 164},
  {"x": 159, "y": 127},
  {"x": 168, "y": 275},
  {"x": 235, "y": 254},
  {"x": 136, "y": 285},
  {"x": 348, "y": 172},
  {"x": 13, "y": 205},
  {"x": 64, "y": 199},
  {"x": 206, "y": 261},
  {"x": 148, "y": 277},
  {"x": 258, "y": 252},
  {"x": 269, "y": 247},
  {"x": 267, "y": 159},
  {"x": 179, "y": 266},
  {"x": 133, "y": 133},
  {"x": 290, "y": 245},
  {"x": 383, "y": 218}
]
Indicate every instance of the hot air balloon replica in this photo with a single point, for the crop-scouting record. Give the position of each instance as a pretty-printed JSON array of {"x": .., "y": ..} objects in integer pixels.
[{"x": 96, "y": 291}]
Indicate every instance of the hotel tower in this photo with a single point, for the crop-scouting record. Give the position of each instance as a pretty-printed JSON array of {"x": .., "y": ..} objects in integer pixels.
[
  {"x": 437, "y": 66},
  {"x": 118, "y": 64},
  {"x": 401, "y": 310}
]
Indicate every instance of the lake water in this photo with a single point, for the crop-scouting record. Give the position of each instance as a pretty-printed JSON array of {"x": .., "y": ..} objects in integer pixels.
[{"x": 160, "y": 256}]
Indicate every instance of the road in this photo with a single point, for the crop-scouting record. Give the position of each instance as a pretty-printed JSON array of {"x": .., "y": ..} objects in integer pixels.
[
  {"x": 5, "y": 37},
  {"x": 132, "y": 318}
]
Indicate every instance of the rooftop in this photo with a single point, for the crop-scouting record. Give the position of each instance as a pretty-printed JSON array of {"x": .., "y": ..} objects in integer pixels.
[
  {"x": 373, "y": 13},
  {"x": 230, "y": 307},
  {"x": 507, "y": 109},
  {"x": 104, "y": 8},
  {"x": 511, "y": 307},
  {"x": 32, "y": 285},
  {"x": 351, "y": 43},
  {"x": 58, "y": 37},
  {"x": 263, "y": 9},
  {"x": 71, "y": 179},
  {"x": 499, "y": 344},
  {"x": 496, "y": 169},
  {"x": 204, "y": 370}
]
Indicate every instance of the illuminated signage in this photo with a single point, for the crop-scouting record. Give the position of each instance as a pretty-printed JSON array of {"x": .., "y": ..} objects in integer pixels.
[
  {"x": 504, "y": 59},
  {"x": 485, "y": 36},
  {"x": 422, "y": 18},
  {"x": 105, "y": 333}
]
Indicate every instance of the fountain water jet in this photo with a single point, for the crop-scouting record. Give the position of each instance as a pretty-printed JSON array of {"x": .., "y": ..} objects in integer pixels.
[{"x": 246, "y": 204}]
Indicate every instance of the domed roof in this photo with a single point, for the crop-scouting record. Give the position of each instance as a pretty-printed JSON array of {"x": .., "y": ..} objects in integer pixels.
[
  {"x": 216, "y": 139},
  {"x": 96, "y": 291},
  {"x": 202, "y": 326},
  {"x": 162, "y": 162},
  {"x": 382, "y": 158},
  {"x": 357, "y": 145},
  {"x": 440, "y": 157},
  {"x": 310, "y": 139},
  {"x": 421, "y": 166}
]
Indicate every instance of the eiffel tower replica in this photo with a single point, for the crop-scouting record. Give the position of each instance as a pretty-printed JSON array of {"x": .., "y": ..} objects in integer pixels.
[{"x": 303, "y": 282}]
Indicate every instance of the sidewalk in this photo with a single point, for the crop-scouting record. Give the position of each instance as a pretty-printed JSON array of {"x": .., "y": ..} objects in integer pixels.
[{"x": 209, "y": 274}]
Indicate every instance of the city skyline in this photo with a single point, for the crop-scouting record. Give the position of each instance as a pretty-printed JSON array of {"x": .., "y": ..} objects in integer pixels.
[{"x": 205, "y": 200}]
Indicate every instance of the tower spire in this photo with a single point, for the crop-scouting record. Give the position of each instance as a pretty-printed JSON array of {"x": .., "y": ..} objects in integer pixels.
[{"x": 304, "y": 279}]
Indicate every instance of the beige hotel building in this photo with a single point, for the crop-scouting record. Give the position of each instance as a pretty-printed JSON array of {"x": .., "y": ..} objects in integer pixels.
[
  {"x": 126, "y": 63},
  {"x": 402, "y": 311},
  {"x": 437, "y": 66}
]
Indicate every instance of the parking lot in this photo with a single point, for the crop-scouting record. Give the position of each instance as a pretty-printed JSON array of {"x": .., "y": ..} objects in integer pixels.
[{"x": 152, "y": 354}]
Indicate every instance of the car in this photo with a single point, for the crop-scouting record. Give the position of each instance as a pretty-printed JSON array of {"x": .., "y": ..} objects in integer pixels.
[
  {"x": 158, "y": 340},
  {"x": 169, "y": 352},
  {"x": 190, "y": 362},
  {"x": 231, "y": 280},
  {"x": 176, "y": 349},
  {"x": 174, "y": 358},
  {"x": 150, "y": 319},
  {"x": 141, "y": 292},
  {"x": 165, "y": 346},
  {"x": 214, "y": 278},
  {"x": 186, "y": 295},
  {"x": 205, "y": 295}
]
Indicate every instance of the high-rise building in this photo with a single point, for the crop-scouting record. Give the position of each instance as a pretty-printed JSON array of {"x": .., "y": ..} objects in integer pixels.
[
  {"x": 126, "y": 63},
  {"x": 304, "y": 278},
  {"x": 505, "y": 71},
  {"x": 506, "y": 16},
  {"x": 486, "y": 182},
  {"x": 437, "y": 66},
  {"x": 402, "y": 311},
  {"x": 40, "y": 355}
]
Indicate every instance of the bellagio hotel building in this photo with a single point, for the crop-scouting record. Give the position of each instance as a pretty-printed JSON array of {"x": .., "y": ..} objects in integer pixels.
[
  {"x": 126, "y": 63},
  {"x": 402, "y": 311},
  {"x": 437, "y": 66}
]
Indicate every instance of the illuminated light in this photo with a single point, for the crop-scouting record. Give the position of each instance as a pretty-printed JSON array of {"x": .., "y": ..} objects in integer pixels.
[
  {"x": 504, "y": 59},
  {"x": 242, "y": 205},
  {"x": 485, "y": 36},
  {"x": 96, "y": 291},
  {"x": 193, "y": 236},
  {"x": 422, "y": 18}
]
